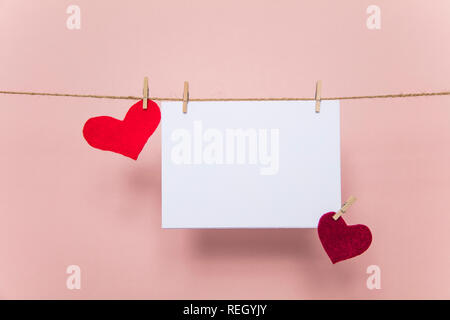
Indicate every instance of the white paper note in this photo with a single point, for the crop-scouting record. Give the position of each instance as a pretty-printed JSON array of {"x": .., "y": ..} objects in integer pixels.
[{"x": 249, "y": 164}]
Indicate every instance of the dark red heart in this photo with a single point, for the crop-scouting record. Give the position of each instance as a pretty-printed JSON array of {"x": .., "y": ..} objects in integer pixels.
[
  {"x": 126, "y": 137},
  {"x": 341, "y": 241}
]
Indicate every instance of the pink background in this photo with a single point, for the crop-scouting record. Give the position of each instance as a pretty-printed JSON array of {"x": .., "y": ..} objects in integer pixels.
[{"x": 63, "y": 202}]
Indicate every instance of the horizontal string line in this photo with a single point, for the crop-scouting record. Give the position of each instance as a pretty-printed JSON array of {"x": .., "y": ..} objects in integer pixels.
[{"x": 94, "y": 96}]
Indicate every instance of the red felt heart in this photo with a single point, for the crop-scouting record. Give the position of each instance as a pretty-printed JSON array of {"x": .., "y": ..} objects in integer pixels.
[
  {"x": 126, "y": 137},
  {"x": 341, "y": 241}
]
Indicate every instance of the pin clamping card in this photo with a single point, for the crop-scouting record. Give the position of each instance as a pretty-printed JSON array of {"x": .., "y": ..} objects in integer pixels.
[{"x": 249, "y": 164}]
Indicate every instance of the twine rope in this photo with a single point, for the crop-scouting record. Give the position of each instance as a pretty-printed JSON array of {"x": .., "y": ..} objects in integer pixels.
[{"x": 95, "y": 96}]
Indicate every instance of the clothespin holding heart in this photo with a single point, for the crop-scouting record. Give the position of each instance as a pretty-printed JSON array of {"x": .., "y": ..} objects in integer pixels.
[
  {"x": 344, "y": 207},
  {"x": 145, "y": 93}
]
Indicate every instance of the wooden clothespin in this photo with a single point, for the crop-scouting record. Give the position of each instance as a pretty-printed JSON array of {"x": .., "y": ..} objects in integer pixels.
[
  {"x": 344, "y": 207},
  {"x": 145, "y": 91},
  {"x": 185, "y": 96},
  {"x": 318, "y": 95}
]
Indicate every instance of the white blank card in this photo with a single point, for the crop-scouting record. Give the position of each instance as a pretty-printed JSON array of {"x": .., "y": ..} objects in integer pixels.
[{"x": 249, "y": 164}]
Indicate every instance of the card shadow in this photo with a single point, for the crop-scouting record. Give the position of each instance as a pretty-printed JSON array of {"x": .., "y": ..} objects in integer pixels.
[{"x": 254, "y": 242}]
